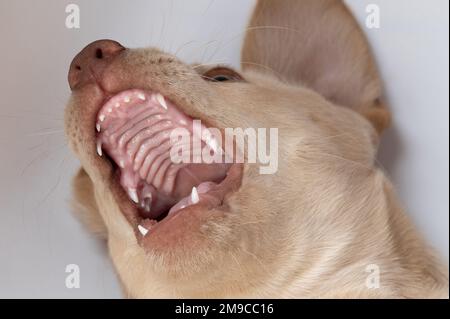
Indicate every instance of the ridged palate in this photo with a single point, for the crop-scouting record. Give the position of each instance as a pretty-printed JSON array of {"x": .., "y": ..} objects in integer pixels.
[{"x": 134, "y": 128}]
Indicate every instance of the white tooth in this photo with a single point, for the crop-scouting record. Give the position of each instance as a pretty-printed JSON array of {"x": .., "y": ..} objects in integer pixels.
[
  {"x": 194, "y": 195},
  {"x": 127, "y": 99},
  {"x": 132, "y": 193},
  {"x": 97, "y": 126},
  {"x": 183, "y": 122},
  {"x": 147, "y": 204},
  {"x": 109, "y": 110},
  {"x": 99, "y": 148},
  {"x": 122, "y": 163},
  {"x": 102, "y": 117},
  {"x": 212, "y": 143},
  {"x": 142, "y": 230},
  {"x": 117, "y": 104},
  {"x": 141, "y": 96},
  {"x": 161, "y": 100}
]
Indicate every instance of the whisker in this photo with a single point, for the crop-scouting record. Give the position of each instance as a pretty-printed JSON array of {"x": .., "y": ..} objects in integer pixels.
[
  {"x": 41, "y": 155},
  {"x": 46, "y": 133},
  {"x": 30, "y": 116},
  {"x": 163, "y": 27},
  {"x": 184, "y": 45},
  {"x": 37, "y": 146},
  {"x": 258, "y": 28},
  {"x": 208, "y": 7},
  {"x": 170, "y": 18},
  {"x": 52, "y": 189},
  {"x": 206, "y": 46}
]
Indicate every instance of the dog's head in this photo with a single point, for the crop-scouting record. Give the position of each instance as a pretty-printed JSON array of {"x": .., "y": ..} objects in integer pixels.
[{"x": 199, "y": 229}]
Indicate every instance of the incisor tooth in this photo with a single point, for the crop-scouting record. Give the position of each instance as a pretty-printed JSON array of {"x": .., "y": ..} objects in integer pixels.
[
  {"x": 99, "y": 148},
  {"x": 132, "y": 193},
  {"x": 161, "y": 100},
  {"x": 97, "y": 126},
  {"x": 127, "y": 99},
  {"x": 142, "y": 230},
  {"x": 102, "y": 117},
  {"x": 141, "y": 96},
  {"x": 194, "y": 195}
]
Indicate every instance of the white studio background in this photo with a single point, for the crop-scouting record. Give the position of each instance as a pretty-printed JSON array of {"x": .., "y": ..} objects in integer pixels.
[{"x": 38, "y": 234}]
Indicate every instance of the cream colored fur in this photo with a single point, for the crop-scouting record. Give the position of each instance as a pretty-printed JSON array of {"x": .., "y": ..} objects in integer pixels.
[{"x": 310, "y": 230}]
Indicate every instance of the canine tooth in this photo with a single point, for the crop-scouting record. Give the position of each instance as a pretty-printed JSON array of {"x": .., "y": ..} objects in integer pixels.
[
  {"x": 141, "y": 97},
  {"x": 142, "y": 230},
  {"x": 99, "y": 148},
  {"x": 194, "y": 195},
  {"x": 132, "y": 193},
  {"x": 161, "y": 100},
  {"x": 97, "y": 126},
  {"x": 127, "y": 99},
  {"x": 102, "y": 117}
]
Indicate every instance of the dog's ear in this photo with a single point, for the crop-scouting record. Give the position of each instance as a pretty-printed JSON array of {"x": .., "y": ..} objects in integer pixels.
[
  {"x": 318, "y": 44},
  {"x": 85, "y": 206}
]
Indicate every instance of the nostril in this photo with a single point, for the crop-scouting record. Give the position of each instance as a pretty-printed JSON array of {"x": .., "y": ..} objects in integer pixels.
[
  {"x": 99, "y": 53},
  {"x": 89, "y": 64}
]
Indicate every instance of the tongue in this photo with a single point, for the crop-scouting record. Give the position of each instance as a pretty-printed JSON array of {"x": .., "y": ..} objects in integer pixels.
[{"x": 134, "y": 129}]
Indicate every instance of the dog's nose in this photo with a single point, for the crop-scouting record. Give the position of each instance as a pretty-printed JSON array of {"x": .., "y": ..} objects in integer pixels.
[{"x": 91, "y": 61}]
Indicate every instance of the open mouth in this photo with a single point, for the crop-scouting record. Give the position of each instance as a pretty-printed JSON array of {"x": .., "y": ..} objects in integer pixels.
[{"x": 134, "y": 131}]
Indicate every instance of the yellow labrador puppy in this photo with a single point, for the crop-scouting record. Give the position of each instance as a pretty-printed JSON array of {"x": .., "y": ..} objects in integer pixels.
[{"x": 324, "y": 223}]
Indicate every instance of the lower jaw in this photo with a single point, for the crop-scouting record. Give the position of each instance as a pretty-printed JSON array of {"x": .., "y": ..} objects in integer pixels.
[{"x": 183, "y": 228}]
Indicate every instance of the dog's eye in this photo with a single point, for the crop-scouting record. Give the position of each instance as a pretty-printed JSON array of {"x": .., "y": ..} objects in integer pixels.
[
  {"x": 221, "y": 78},
  {"x": 221, "y": 74}
]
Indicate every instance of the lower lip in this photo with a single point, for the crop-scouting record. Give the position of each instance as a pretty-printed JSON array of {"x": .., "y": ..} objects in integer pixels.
[{"x": 180, "y": 231}]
